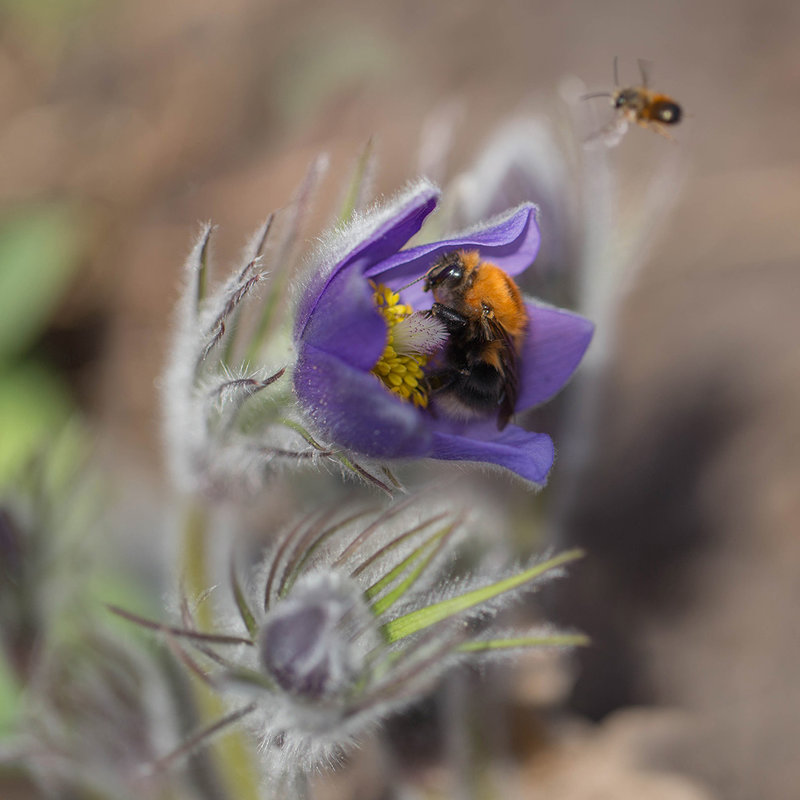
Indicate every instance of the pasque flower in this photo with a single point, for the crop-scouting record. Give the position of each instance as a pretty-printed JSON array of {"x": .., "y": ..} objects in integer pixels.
[
  {"x": 355, "y": 382},
  {"x": 351, "y": 617}
]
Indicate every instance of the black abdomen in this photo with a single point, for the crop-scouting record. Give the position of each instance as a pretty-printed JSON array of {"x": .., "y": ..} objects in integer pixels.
[{"x": 666, "y": 111}]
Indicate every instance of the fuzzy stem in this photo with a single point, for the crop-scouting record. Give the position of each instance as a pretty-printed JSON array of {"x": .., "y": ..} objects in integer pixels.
[{"x": 232, "y": 754}]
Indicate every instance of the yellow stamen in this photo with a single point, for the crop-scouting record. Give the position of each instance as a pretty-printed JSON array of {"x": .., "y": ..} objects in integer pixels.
[{"x": 400, "y": 372}]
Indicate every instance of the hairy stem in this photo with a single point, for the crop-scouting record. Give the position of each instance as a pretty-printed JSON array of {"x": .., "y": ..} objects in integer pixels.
[{"x": 232, "y": 753}]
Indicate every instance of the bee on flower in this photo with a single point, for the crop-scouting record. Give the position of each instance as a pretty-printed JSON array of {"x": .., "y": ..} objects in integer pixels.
[
  {"x": 449, "y": 378},
  {"x": 394, "y": 352}
]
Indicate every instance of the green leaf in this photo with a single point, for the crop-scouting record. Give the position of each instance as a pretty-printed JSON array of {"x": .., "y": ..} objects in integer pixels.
[
  {"x": 396, "y": 542},
  {"x": 34, "y": 408},
  {"x": 390, "y": 598},
  {"x": 241, "y": 603},
  {"x": 40, "y": 251},
  {"x": 424, "y": 553},
  {"x": 422, "y": 618},
  {"x": 299, "y": 429},
  {"x": 201, "y": 285},
  {"x": 250, "y": 677},
  {"x": 65, "y": 465},
  {"x": 551, "y": 640}
]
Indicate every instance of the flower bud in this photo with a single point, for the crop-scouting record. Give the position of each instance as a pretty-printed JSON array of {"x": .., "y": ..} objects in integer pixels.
[{"x": 310, "y": 643}]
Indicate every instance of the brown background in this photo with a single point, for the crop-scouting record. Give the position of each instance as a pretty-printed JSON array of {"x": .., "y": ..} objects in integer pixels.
[{"x": 151, "y": 116}]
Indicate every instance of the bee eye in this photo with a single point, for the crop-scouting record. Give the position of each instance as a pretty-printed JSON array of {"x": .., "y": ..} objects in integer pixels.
[
  {"x": 449, "y": 269},
  {"x": 452, "y": 273}
]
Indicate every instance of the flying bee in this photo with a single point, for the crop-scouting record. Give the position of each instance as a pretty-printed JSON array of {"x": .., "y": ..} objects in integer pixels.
[
  {"x": 637, "y": 104},
  {"x": 483, "y": 312}
]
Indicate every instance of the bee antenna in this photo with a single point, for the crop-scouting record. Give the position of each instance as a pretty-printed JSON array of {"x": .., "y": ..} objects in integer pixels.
[
  {"x": 644, "y": 68},
  {"x": 416, "y": 280},
  {"x": 596, "y": 94},
  {"x": 616, "y": 72}
]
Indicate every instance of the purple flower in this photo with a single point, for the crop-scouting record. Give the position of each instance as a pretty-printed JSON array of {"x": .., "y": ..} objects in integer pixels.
[{"x": 341, "y": 335}]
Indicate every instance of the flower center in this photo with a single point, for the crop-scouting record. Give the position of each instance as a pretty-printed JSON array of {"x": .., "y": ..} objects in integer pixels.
[{"x": 411, "y": 336}]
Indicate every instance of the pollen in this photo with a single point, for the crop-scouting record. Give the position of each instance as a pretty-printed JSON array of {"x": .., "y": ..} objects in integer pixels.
[{"x": 400, "y": 366}]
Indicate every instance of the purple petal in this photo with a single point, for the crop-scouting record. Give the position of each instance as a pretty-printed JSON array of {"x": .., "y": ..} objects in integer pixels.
[
  {"x": 553, "y": 347},
  {"x": 401, "y": 222},
  {"x": 346, "y": 322},
  {"x": 511, "y": 244},
  {"x": 529, "y": 455},
  {"x": 356, "y": 411}
]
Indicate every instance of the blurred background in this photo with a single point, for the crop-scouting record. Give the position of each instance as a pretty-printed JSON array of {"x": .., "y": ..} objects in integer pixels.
[{"x": 123, "y": 124}]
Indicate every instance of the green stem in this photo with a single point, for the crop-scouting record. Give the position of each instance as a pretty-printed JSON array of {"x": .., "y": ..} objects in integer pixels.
[{"x": 233, "y": 754}]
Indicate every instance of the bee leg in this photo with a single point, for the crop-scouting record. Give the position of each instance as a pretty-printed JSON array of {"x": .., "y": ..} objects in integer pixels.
[
  {"x": 658, "y": 128},
  {"x": 652, "y": 125},
  {"x": 442, "y": 380},
  {"x": 452, "y": 320},
  {"x": 506, "y": 411}
]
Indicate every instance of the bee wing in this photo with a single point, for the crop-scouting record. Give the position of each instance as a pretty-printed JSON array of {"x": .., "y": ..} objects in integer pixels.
[
  {"x": 609, "y": 135},
  {"x": 508, "y": 361},
  {"x": 645, "y": 68}
]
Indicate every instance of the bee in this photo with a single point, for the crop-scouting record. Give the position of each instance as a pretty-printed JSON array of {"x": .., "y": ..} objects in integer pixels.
[
  {"x": 640, "y": 105},
  {"x": 482, "y": 310}
]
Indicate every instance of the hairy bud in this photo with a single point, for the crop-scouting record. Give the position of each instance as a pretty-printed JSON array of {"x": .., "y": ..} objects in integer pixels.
[{"x": 310, "y": 644}]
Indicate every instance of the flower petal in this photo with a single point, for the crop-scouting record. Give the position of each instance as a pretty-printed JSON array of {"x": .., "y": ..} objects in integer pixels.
[
  {"x": 553, "y": 347},
  {"x": 356, "y": 411},
  {"x": 387, "y": 232},
  {"x": 511, "y": 243},
  {"x": 529, "y": 455},
  {"x": 346, "y": 322}
]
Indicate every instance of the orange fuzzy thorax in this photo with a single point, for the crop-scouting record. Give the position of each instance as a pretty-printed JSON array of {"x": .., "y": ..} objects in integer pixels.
[{"x": 493, "y": 287}]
